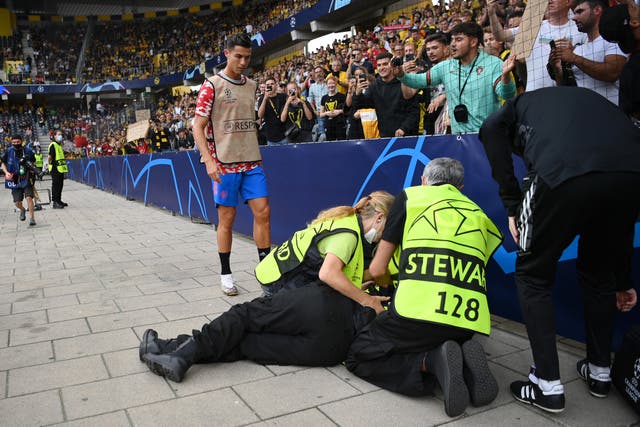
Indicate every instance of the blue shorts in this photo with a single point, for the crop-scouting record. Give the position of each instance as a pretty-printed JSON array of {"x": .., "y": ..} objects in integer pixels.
[{"x": 250, "y": 184}]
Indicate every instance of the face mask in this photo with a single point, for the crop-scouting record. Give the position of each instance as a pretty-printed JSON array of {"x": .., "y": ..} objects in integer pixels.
[
  {"x": 59, "y": 138},
  {"x": 370, "y": 236}
]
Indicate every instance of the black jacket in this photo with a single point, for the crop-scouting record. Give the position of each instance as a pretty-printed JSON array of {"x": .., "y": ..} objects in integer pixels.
[
  {"x": 561, "y": 133},
  {"x": 393, "y": 111}
]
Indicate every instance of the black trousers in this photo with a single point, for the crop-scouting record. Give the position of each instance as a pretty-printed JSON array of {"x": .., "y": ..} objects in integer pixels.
[
  {"x": 389, "y": 352},
  {"x": 57, "y": 182},
  {"x": 308, "y": 326},
  {"x": 600, "y": 207}
]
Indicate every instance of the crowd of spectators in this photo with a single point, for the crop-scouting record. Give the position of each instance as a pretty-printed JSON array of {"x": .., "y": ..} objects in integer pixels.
[
  {"x": 56, "y": 48},
  {"x": 122, "y": 51}
]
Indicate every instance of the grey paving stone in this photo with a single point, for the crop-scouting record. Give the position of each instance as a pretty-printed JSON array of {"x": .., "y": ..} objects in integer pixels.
[
  {"x": 109, "y": 294},
  {"x": 55, "y": 375},
  {"x": 49, "y": 331},
  {"x": 508, "y": 415},
  {"x": 124, "y": 362},
  {"x": 310, "y": 417},
  {"x": 4, "y": 338},
  {"x": 383, "y": 407},
  {"x": 146, "y": 301},
  {"x": 494, "y": 348},
  {"x": 6, "y": 289},
  {"x": 509, "y": 338},
  {"x": 169, "y": 286},
  {"x": 585, "y": 410},
  {"x": 31, "y": 410},
  {"x": 73, "y": 289},
  {"x": 43, "y": 303},
  {"x": 5, "y": 309},
  {"x": 114, "y": 419},
  {"x": 201, "y": 378},
  {"x": 190, "y": 309},
  {"x": 196, "y": 294},
  {"x": 82, "y": 310},
  {"x": 215, "y": 408},
  {"x": 118, "y": 281},
  {"x": 23, "y": 320},
  {"x": 361, "y": 385},
  {"x": 108, "y": 322},
  {"x": 293, "y": 392},
  {"x": 3, "y": 384},
  {"x": 114, "y": 394},
  {"x": 22, "y": 296},
  {"x": 521, "y": 361},
  {"x": 25, "y": 284},
  {"x": 95, "y": 343}
]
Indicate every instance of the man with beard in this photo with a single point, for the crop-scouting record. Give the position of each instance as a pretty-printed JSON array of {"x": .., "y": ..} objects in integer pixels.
[{"x": 597, "y": 64}]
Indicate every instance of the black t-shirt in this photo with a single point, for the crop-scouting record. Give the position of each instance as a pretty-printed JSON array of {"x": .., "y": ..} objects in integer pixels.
[
  {"x": 394, "y": 227},
  {"x": 334, "y": 102},
  {"x": 630, "y": 86},
  {"x": 273, "y": 127},
  {"x": 295, "y": 114}
]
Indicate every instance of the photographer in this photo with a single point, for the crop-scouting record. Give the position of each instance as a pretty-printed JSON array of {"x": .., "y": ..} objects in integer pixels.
[
  {"x": 297, "y": 115},
  {"x": 19, "y": 170},
  {"x": 271, "y": 105}
]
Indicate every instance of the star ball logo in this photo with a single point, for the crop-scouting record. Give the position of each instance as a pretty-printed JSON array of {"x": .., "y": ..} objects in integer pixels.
[
  {"x": 292, "y": 22},
  {"x": 228, "y": 93}
]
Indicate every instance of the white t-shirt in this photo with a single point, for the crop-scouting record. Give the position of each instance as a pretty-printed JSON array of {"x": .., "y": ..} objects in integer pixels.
[
  {"x": 537, "y": 75},
  {"x": 596, "y": 51}
]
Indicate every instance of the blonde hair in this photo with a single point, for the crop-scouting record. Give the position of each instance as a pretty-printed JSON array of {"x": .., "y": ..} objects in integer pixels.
[{"x": 375, "y": 203}]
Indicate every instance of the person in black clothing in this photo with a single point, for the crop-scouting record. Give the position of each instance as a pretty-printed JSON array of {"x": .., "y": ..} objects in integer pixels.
[
  {"x": 271, "y": 105},
  {"x": 159, "y": 137},
  {"x": 18, "y": 176},
  {"x": 621, "y": 24},
  {"x": 582, "y": 180},
  {"x": 297, "y": 112},
  {"x": 184, "y": 140},
  {"x": 332, "y": 109},
  {"x": 396, "y": 116}
]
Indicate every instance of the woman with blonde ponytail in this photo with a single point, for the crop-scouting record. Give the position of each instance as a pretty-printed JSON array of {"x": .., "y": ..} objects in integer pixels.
[{"x": 313, "y": 291}]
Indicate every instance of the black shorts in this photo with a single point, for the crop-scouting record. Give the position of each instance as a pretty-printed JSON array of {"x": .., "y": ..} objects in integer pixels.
[{"x": 20, "y": 193}]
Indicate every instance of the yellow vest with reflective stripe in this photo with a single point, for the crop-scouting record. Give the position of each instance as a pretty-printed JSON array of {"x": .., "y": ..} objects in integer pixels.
[
  {"x": 61, "y": 163},
  {"x": 38, "y": 160},
  {"x": 446, "y": 244},
  {"x": 291, "y": 253}
]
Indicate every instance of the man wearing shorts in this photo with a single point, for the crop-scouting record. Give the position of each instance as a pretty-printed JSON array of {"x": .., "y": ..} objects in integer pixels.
[
  {"x": 225, "y": 132},
  {"x": 18, "y": 177}
]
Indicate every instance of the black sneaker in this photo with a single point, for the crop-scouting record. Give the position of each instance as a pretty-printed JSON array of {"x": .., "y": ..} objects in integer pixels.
[
  {"x": 483, "y": 387},
  {"x": 599, "y": 385},
  {"x": 23, "y": 214},
  {"x": 445, "y": 362},
  {"x": 529, "y": 393},
  {"x": 32, "y": 222}
]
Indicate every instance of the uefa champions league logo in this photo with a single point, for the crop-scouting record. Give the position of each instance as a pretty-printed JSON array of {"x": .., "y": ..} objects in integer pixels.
[{"x": 292, "y": 22}]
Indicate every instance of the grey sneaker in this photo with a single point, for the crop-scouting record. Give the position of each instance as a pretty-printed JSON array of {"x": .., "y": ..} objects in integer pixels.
[
  {"x": 23, "y": 214},
  {"x": 227, "y": 285},
  {"x": 32, "y": 222}
]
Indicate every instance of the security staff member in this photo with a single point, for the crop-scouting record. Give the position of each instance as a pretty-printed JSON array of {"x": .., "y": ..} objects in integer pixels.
[
  {"x": 583, "y": 180},
  {"x": 311, "y": 324},
  {"x": 444, "y": 242},
  {"x": 39, "y": 163},
  {"x": 57, "y": 169}
]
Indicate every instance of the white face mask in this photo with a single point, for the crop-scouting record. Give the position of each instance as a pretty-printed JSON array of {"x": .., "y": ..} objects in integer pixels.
[
  {"x": 370, "y": 236},
  {"x": 59, "y": 138}
]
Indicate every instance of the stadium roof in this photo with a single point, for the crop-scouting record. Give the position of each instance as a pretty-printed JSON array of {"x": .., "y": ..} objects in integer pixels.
[{"x": 95, "y": 7}]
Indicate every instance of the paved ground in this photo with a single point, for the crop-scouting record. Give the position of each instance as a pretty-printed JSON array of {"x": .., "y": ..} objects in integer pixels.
[{"x": 78, "y": 290}]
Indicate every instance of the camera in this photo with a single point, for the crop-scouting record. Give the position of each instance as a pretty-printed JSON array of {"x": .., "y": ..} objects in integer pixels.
[
  {"x": 409, "y": 57},
  {"x": 396, "y": 62},
  {"x": 461, "y": 113},
  {"x": 353, "y": 55},
  {"x": 270, "y": 88},
  {"x": 292, "y": 92},
  {"x": 362, "y": 78},
  {"x": 29, "y": 166}
]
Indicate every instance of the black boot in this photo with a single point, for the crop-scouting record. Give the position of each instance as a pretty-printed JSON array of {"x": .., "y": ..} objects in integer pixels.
[
  {"x": 174, "y": 365},
  {"x": 152, "y": 344}
]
